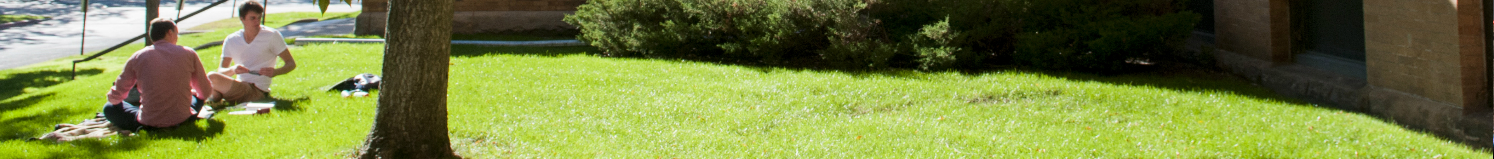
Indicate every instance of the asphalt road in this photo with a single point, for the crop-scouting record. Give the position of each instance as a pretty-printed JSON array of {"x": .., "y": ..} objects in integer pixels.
[{"x": 109, "y": 22}]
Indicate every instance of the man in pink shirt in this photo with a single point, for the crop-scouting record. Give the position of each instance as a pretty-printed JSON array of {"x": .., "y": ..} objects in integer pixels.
[{"x": 170, "y": 79}]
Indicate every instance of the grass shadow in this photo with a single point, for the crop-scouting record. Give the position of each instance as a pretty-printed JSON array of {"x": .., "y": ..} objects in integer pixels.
[
  {"x": 17, "y": 83},
  {"x": 476, "y": 51},
  {"x": 1177, "y": 78},
  {"x": 1172, "y": 76},
  {"x": 284, "y": 104},
  {"x": 25, "y": 126},
  {"x": 189, "y": 131},
  {"x": 99, "y": 147}
]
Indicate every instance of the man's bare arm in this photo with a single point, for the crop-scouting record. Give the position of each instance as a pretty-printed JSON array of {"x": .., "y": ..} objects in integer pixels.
[
  {"x": 290, "y": 63},
  {"x": 225, "y": 64}
]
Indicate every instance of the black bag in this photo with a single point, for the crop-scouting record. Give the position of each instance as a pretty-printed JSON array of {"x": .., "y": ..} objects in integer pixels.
[{"x": 362, "y": 82}]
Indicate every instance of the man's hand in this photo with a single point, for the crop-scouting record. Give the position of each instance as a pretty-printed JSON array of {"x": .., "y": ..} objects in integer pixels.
[
  {"x": 237, "y": 69},
  {"x": 267, "y": 72}
]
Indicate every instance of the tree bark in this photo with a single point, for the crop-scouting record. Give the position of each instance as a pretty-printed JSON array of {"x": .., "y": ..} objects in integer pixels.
[{"x": 411, "y": 117}]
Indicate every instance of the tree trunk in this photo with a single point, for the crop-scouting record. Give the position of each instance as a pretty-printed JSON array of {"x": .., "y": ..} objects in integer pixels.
[{"x": 411, "y": 117}]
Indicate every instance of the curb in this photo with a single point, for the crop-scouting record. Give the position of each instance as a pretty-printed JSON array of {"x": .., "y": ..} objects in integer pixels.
[
  {"x": 209, "y": 44},
  {"x": 20, "y": 23},
  {"x": 304, "y": 41}
]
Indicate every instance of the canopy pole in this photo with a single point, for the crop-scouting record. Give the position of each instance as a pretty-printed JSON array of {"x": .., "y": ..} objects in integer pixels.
[
  {"x": 262, "y": 15},
  {"x": 179, "y": 8},
  {"x": 83, "y": 39}
]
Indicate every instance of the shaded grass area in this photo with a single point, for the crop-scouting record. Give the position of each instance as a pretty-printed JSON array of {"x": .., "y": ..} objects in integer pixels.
[{"x": 7, "y": 18}]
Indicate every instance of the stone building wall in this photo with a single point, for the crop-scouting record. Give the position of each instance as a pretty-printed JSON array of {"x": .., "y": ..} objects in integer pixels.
[
  {"x": 1252, "y": 28},
  {"x": 1412, "y": 46},
  {"x": 1425, "y": 62}
]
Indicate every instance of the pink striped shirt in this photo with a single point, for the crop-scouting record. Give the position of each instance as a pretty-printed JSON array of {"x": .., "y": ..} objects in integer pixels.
[{"x": 167, "y": 76}]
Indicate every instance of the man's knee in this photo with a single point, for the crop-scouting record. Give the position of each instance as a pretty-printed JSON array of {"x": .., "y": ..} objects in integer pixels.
[
  {"x": 111, "y": 108},
  {"x": 120, "y": 116},
  {"x": 218, "y": 76}
]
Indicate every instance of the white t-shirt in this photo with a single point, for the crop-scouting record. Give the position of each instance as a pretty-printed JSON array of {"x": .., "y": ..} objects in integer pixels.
[{"x": 260, "y": 53}]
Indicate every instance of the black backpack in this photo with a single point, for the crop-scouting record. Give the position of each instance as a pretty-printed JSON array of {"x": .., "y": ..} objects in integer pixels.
[{"x": 362, "y": 82}]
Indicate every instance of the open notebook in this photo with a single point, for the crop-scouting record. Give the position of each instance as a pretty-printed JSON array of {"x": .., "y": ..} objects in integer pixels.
[{"x": 254, "y": 107}]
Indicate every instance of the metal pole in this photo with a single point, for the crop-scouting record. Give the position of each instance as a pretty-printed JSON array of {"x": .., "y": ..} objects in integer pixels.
[
  {"x": 83, "y": 40},
  {"x": 262, "y": 14},
  {"x": 179, "y": 8}
]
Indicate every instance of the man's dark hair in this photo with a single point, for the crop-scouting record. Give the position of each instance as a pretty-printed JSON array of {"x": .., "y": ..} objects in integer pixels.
[
  {"x": 159, "y": 27},
  {"x": 250, "y": 5}
]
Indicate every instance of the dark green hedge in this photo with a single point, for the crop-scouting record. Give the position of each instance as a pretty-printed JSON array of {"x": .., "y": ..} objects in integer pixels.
[{"x": 924, "y": 34}]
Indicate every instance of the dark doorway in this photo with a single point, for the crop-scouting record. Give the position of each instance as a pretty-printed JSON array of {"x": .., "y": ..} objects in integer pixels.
[
  {"x": 1205, "y": 8},
  {"x": 1329, "y": 35},
  {"x": 1334, "y": 27},
  {"x": 1489, "y": 47}
]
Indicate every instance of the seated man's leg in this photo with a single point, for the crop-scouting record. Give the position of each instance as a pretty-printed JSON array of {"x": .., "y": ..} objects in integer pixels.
[
  {"x": 196, "y": 103},
  {"x": 202, "y": 112},
  {"x": 123, "y": 115},
  {"x": 134, "y": 97},
  {"x": 242, "y": 92},
  {"x": 221, "y": 82}
]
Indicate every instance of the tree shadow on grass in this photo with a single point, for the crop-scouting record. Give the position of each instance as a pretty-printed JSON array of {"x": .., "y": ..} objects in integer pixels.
[
  {"x": 98, "y": 148},
  {"x": 1179, "y": 77},
  {"x": 1176, "y": 78},
  {"x": 288, "y": 104},
  {"x": 16, "y": 84},
  {"x": 25, "y": 126},
  {"x": 475, "y": 51},
  {"x": 193, "y": 131}
]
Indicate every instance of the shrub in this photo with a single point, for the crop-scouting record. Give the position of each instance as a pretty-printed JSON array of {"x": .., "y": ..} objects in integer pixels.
[
  {"x": 1100, "y": 35},
  {"x": 769, "y": 30},
  {"x": 935, "y": 48},
  {"x": 943, "y": 34},
  {"x": 925, "y": 34}
]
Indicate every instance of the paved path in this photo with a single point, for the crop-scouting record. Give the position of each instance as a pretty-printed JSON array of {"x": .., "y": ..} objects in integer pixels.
[
  {"x": 109, "y": 22},
  {"x": 325, "y": 27}
]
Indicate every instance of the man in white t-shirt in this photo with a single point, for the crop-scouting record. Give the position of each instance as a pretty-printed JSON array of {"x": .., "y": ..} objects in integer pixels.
[{"x": 253, "y": 50}]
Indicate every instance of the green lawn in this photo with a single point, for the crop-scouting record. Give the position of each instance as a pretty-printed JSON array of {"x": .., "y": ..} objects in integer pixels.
[
  {"x": 564, "y": 102},
  {"x": 16, "y": 18}
]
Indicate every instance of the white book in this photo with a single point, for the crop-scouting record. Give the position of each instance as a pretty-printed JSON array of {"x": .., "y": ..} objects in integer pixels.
[{"x": 257, "y": 105}]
